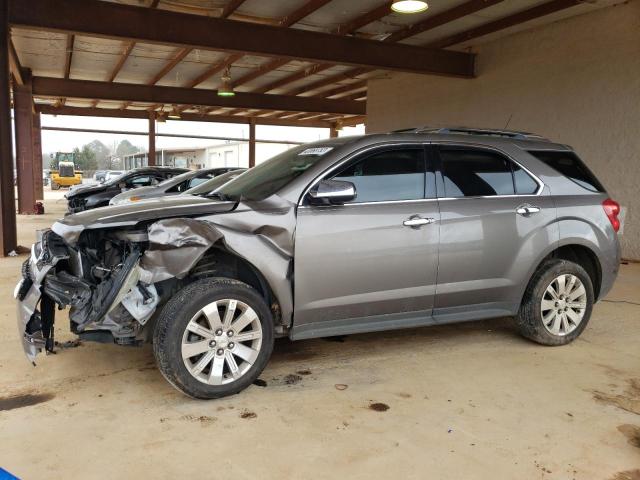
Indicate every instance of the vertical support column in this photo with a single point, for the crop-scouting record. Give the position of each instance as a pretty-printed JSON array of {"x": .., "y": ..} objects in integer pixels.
[
  {"x": 333, "y": 131},
  {"x": 8, "y": 234},
  {"x": 36, "y": 138},
  {"x": 252, "y": 142},
  {"x": 151, "y": 160},
  {"x": 23, "y": 118}
]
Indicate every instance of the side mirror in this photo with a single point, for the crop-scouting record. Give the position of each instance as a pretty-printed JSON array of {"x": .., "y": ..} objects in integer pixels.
[
  {"x": 332, "y": 192},
  {"x": 122, "y": 186}
]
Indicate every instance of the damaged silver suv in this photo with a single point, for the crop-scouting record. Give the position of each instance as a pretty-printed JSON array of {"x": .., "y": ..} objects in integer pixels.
[{"x": 360, "y": 234}]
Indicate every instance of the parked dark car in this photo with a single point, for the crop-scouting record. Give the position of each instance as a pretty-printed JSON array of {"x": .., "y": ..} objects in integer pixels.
[
  {"x": 348, "y": 235},
  {"x": 172, "y": 186},
  {"x": 86, "y": 197}
]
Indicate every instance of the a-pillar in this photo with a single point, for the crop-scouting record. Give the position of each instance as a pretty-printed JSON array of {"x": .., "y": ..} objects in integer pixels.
[{"x": 8, "y": 235}]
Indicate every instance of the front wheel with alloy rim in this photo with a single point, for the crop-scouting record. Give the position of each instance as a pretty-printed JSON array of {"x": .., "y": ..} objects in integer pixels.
[
  {"x": 213, "y": 338},
  {"x": 557, "y": 303}
]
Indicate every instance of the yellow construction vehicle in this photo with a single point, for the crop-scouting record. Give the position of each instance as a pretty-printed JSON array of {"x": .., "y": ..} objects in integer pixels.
[{"x": 63, "y": 171}]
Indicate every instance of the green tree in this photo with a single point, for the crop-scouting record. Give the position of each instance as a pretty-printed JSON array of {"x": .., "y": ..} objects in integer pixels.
[
  {"x": 85, "y": 158},
  {"x": 125, "y": 147},
  {"x": 102, "y": 154}
]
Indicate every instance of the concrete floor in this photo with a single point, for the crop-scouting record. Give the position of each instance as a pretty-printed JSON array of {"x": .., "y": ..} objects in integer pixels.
[{"x": 464, "y": 401}]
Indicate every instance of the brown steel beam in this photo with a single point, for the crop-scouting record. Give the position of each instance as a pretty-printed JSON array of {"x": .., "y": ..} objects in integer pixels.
[
  {"x": 36, "y": 140},
  {"x": 127, "y": 92},
  {"x": 197, "y": 31},
  {"x": 289, "y": 20},
  {"x": 151, "y": 159},
  {"x": 213, "y": 69},
  {"x": 506, "y": 22},
  {"x": 429, "y": 23},
  {"x": 306, "y": 9},
  {"x": 231, "y": 7},
  {"x": 448, "y": 16},
  {"x": 252, "y": 142},
  {"x": 350, "y": 87},
  {"x": 345, "y": 29},
  {"x": 143, "y": 114},
  {"x": 25, "y": 175},
  {"x": 14, "y": 65},
  {"x": 128, "y": 47},
  {"x": 8, "y": 232},
  {"x": 69, "y": 57}
]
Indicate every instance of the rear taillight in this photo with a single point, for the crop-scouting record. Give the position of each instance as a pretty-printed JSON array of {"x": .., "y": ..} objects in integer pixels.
[{"x": 612, "y": 210}]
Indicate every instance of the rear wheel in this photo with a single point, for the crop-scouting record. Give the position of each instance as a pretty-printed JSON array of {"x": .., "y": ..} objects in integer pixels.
[
  {"x": 557, "y": 304},
  {"x": 213, "y": 338},
  {"x": 55, "y": 186}
]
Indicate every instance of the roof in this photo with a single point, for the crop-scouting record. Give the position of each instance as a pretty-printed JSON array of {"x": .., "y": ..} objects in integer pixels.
[{"x": 449, "y": 25}]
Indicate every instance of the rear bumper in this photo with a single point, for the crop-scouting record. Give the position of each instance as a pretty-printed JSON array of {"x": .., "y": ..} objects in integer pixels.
[{"x": 610, "y": 267}]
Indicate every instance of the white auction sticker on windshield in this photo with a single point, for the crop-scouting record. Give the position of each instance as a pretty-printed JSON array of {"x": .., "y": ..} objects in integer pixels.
[{"x": 316, "y": 151}]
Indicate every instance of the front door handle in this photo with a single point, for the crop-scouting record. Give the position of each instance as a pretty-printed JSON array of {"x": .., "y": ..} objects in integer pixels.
[
  {"x": 526, "y": 210},
  {"x": 417, "y": 222}
]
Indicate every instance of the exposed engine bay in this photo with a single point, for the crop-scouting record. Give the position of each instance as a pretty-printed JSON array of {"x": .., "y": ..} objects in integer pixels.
[{"x": 114, "y": 278}]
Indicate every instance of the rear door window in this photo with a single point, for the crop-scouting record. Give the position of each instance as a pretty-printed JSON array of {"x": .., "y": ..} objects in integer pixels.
[
  {"x": 475, "y": 173},
  {"x": 394, "y": 174},
  {"x": 569, "y": 165}
]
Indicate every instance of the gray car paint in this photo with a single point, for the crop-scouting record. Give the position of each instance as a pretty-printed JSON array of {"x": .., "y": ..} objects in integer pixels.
[{"x": 347, "y": 279}]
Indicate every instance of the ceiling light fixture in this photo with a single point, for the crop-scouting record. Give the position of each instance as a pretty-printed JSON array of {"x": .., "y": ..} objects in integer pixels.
[
  {"x": 225, "y": 89},
  {"x": 409, "y": 6}
]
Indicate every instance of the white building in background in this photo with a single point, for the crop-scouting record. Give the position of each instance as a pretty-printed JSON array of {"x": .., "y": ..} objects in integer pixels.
[{"x": 232, "y": 154}]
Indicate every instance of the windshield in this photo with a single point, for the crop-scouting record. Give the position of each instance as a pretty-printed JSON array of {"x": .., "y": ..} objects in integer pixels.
[
  {"x": 178, "y": 178},
  {"x": 210, "y": 185},
  {"x": 114, "y": 177},
  {"x": 267, "y": 178}
]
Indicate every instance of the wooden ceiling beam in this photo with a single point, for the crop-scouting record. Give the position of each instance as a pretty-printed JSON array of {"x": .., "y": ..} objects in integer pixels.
[
  {"x": 14, "y": 65},
  {"x": 193, "y": 117},
  {"x": 126, "y": 92},
  {"x": 231, "y": 7},
  {"x": 197, "y": 31},
  {"x": 291, "y": 19},
  {"x": 69, "y": 55},
  {"x": 345, "y": 29},
  {"x": 505, "y": 22}
]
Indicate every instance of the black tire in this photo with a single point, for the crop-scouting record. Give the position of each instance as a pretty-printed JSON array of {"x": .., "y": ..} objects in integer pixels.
[
  {"x": 173, "y": 320},
  {"x": 529, "y": 318},
  {"x": 55, "y": 186}
]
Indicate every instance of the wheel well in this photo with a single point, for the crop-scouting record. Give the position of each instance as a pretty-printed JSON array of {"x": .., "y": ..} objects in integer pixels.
[
  {"x": 584, "y": 257},
  {"x": 218, "y": 262}
]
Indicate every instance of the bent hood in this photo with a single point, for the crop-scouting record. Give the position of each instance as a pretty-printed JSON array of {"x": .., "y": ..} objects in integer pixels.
[
  {"x": 71, "y": 226},
  {"x": 85, "y": 189},
  {"x": 134, "y": 192}
]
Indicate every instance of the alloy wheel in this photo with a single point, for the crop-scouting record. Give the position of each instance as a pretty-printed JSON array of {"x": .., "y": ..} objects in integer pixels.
[
  {"x": 563, "y": 305},
  {"x": 221, "y": 342}
]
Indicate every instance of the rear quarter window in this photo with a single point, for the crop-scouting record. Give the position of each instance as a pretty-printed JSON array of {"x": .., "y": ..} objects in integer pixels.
[{"x": 569, "y": 165}]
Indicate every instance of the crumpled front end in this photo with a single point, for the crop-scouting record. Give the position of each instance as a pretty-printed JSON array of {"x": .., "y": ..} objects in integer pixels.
[
  {"x": 115, "y": 271},
  {"x": 99, "y": 279}
]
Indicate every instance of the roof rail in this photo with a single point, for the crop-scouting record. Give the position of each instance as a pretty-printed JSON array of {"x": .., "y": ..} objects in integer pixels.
[{"x": 474, "y": 131}]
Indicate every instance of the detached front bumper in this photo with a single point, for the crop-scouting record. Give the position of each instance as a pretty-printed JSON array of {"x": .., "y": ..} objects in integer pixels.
[{"x": 28, "y": 296}]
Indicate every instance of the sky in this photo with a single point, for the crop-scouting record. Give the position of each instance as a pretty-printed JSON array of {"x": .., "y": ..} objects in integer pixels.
[{"x": 55, "y": 141}]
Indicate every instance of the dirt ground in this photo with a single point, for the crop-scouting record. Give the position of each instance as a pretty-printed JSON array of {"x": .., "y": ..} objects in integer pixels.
[{"x": 454, "y": 402}]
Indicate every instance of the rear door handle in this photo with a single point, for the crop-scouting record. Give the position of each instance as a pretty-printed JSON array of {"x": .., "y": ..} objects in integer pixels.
[
  {"x": 526, "y": 210},
  {"x": 417, "y": 222}
]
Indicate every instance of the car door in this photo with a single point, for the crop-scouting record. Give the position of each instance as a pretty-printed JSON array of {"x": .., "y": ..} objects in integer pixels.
[
  {"x": 494, "y": 218},
  {"x": 371, "y": 263}
]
